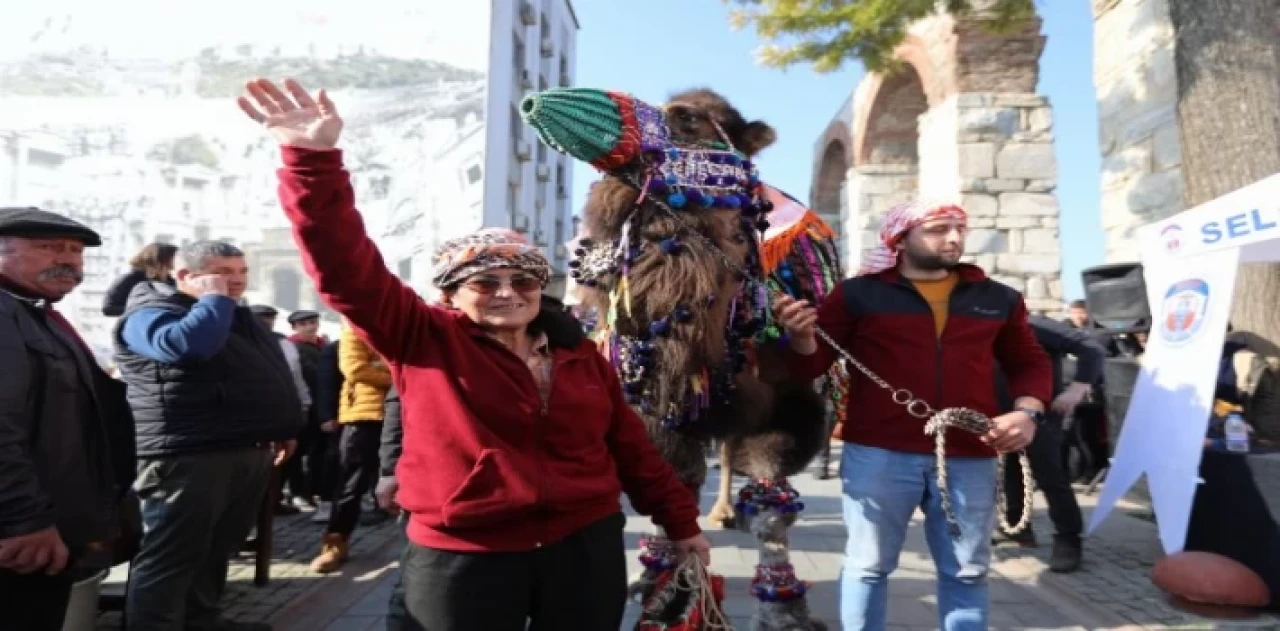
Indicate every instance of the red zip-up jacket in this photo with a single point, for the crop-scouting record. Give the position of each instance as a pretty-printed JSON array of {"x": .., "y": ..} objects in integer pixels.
[
  {"x": 486, "y": 466},
  {"x": 888, "y": 326}
]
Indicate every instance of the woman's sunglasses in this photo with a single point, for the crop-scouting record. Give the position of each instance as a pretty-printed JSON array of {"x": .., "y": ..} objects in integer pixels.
[{"x": 520, "y": 284}]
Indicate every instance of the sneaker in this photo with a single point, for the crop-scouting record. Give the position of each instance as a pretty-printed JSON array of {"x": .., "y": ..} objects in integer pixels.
[
  {"x": 1068, "y": 552},
  {"x": 1025, "y": 538},
  {"x": 303, "y": 503},
  {"x": 323, "y": 511}
]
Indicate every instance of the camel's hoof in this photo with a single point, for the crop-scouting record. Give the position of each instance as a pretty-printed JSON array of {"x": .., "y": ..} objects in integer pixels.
[{"x": 722, "y": 516}]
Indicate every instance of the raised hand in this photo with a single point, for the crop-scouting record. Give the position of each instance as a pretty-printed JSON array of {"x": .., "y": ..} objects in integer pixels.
[{"x": 294, "y": 119}]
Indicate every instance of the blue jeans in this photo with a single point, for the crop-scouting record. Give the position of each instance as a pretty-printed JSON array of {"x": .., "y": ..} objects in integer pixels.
[{"x": 881, "y": 492}]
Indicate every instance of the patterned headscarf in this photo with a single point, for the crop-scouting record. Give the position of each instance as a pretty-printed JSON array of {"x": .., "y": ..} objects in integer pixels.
[
  {"x": 898, "y": 221},
  {"x": 490, "y": 248}
]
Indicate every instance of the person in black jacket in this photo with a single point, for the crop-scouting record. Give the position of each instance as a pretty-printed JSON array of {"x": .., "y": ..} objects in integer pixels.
[
  {"x": 324, "y": 450},
  {"x": 1045, "y": 452},
  {"x": 153, "y": 262},
  {"x": 311, "y": 446},
  {"x": 66, "y": 434}
]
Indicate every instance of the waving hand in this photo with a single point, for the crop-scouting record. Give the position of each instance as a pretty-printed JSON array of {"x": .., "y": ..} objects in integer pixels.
[{"x": 295, "y": 119}]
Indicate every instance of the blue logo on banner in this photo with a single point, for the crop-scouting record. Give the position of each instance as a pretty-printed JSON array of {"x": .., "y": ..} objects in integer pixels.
[{"x": 1184, "y": 311}]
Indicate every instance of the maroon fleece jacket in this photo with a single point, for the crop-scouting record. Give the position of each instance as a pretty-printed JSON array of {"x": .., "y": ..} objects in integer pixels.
[{"x": 485, "y": 467}]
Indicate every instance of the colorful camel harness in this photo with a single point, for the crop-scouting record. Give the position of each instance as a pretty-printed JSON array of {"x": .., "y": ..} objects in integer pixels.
[{"x": 611, "y": 130}]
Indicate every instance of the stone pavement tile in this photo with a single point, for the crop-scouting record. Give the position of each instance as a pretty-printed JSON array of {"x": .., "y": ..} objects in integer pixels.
[
  {"x": 356, "y": 623},
  {"x": 296, "y": 541}
]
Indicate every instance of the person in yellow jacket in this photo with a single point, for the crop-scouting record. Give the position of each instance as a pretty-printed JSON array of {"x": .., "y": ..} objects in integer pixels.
[{"x": 366, "y": 380}]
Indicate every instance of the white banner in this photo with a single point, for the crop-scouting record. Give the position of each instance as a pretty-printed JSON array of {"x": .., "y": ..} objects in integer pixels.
[{"x": 1164, "y": 429}]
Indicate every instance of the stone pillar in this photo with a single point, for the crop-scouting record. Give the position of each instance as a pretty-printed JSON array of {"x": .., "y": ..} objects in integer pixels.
[
  {"x": 994, "y": 153},
  {"x": 1137, "y": 89},
  {"x": 871, "y": 189}
]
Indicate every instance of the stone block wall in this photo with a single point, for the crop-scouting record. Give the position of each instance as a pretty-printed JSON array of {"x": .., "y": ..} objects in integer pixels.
[
  {"x": 1136, "y": 85},
  {"x": 1007, "y": 177},
  {"x": 870, "y": 191}
]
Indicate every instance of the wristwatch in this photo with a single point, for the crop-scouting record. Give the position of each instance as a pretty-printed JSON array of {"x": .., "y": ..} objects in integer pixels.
[{"x": 1036, "y": 415}]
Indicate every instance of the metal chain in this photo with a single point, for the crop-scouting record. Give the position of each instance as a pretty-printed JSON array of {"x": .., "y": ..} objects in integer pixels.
[{"x": 936, "y": 421}]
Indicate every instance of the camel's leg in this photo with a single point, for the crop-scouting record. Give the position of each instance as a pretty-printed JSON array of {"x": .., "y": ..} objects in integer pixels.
[
  {"x": 781, "y": 595},
  {"x": 657, "y": 556},
  {"x": 722, "y": 514}
]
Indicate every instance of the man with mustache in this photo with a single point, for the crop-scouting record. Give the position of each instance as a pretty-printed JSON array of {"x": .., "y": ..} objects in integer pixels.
[{"x": 66, "y": 441}]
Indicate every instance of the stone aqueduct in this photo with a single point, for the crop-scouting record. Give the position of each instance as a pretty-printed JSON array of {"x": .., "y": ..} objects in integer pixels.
[{"x": 961, "y": 121}]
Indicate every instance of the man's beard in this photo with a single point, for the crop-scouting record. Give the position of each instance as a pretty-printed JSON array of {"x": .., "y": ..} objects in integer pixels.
[
  {"x": 930, "y": 262},
  {"x": 61, "y": 272}
]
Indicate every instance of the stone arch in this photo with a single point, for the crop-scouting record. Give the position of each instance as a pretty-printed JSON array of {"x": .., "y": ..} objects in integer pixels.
[
  {"x": 890, "y": 134},
  {"x": 959, "y": 120},
  {"x": 829, "y": 178}
]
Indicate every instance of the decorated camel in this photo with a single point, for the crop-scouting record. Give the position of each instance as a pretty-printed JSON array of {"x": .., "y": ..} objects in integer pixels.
[{"x": 680, "y": 261}]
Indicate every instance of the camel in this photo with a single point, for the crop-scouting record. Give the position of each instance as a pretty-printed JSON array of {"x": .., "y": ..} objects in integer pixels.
[{"x": 674, "y": 259}]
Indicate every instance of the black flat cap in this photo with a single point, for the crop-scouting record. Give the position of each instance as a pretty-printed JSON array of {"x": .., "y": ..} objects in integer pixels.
[
  {"x": 263, "y": 310},
  {"x": 35, "y": 223},
  {"x": 301, "y": 315}
]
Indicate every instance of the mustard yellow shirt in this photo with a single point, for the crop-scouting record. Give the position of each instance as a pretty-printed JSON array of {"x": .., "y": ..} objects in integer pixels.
[{"x": 938, "y": 294}]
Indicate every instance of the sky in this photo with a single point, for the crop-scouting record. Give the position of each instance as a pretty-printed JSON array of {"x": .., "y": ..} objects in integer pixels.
[
  {"x": 671, "y": 45},
  {"x": 399, "y": 28}
]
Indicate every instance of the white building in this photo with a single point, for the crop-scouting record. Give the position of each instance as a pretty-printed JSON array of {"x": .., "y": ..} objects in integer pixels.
[
  {"x": 492, "y": 171},
  {"x": 140, "y": 138}
]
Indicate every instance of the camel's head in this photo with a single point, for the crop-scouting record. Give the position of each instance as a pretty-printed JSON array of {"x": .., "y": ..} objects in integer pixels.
[{"x": 672, "y": 237}]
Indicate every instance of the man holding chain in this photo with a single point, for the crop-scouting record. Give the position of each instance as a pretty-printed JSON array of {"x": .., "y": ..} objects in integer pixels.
[{"x": 933, "y": 329}]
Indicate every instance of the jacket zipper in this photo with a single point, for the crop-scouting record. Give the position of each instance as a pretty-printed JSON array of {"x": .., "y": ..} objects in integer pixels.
[
  {"x": 937, "y": 339},
  {"x": 543, "y": 410}
]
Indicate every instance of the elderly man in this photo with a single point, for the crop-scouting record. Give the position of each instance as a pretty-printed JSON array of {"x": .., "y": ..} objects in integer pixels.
[
  {"x": 213, "y": 397},
  {"x": 66, "y": 444}
]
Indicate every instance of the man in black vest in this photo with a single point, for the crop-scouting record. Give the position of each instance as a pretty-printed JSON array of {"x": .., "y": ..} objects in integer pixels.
[
  {"x": 215, "y": 408},
  {"x": 66, "y": 440}
]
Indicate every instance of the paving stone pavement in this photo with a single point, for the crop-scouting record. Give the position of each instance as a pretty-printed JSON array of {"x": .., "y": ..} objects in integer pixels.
[
  {"x": 1111, "y": 591},
  {"x": 297, "y": 541}
]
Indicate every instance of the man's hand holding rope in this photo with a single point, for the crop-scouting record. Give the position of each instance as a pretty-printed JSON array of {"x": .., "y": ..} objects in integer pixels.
[{"x": 1009, "y": 433}]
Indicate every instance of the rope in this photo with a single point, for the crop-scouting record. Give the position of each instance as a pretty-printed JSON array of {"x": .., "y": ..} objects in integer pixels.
[
  {"x": 692, "y": 576},
  {"x": 936, "y": 422}
]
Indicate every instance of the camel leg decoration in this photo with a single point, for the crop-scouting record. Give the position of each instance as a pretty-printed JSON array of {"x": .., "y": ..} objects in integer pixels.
[{"x": 674, "y": 258}]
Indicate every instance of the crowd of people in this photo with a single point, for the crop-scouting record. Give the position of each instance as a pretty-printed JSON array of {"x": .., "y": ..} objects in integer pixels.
[{"x": 489, "y": 417}]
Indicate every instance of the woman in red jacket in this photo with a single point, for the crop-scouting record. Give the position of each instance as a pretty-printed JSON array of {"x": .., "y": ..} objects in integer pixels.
[{"x": 517, "y": 440}]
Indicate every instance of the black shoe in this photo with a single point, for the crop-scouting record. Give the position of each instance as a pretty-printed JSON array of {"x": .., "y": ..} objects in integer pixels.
[
  {"x": 1025, "y": 538},
  {"x": 1067, "y": 554}
]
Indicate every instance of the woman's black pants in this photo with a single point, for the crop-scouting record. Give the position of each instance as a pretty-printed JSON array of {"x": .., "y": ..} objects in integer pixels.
[{"x": 577, "y": 584}]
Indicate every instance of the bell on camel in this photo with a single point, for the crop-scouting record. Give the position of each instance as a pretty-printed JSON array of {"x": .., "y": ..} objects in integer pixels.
[{"x": 595, "y": 126}]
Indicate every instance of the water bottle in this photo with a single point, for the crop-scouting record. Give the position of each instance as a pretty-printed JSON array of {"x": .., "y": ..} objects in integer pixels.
[{"x": 1237, "y": 434}]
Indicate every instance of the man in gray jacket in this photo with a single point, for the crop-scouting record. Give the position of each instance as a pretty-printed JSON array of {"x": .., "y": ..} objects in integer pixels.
[{"x": 66, "y": 441}]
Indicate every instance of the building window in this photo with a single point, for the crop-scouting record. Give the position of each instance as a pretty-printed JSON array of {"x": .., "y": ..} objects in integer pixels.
[
  {"x": 473, "y": 174},
  {"x": 405, "y": 270}
]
